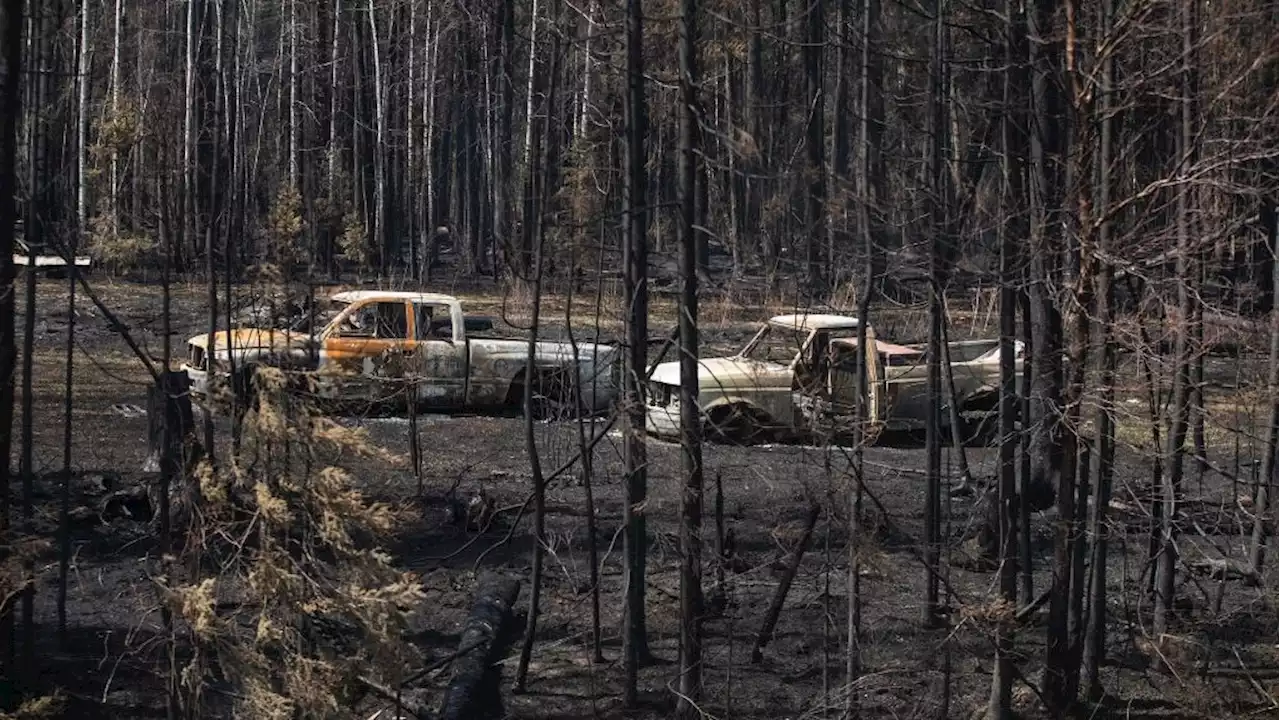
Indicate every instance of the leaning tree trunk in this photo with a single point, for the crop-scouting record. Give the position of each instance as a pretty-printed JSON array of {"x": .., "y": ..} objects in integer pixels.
[{"x": 473, "y": 690}]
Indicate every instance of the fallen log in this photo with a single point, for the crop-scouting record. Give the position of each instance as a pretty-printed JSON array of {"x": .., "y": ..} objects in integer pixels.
[
  {"x": 784, "y": 585},
  {"x": 474, "y": 690},
  {"x": 1223, "y": 569}
]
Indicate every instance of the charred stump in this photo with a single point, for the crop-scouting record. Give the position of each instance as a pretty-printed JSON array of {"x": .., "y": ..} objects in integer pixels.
[
  {"x": 474, "y": 690},
  {"x": 172, "y": 446},
  {"x": 980, "y": 547}
]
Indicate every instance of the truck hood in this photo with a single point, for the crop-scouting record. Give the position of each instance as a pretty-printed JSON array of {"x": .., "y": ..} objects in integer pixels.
[
  {"x": 724, "y": 373},
  {"x": 245, "y": 340}
]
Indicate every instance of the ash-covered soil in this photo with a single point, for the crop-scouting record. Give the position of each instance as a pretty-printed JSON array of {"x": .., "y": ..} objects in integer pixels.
[{"x": 112, "y": 663}]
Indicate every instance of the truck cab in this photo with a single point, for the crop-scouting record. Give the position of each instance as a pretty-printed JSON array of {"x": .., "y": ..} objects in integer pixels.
[
  {"x": 797, "y": 376},
  {"x": 385, "y": 347},
  {"x": 776, "y": 385}
]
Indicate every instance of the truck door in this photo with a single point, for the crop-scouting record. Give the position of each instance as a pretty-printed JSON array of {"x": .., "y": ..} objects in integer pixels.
[
  {"x": 440, "y": 359},
  {"x": 366, "y": 346},
  {"x": 843, "y": 384},
  {"x": 875, "y": 384}
]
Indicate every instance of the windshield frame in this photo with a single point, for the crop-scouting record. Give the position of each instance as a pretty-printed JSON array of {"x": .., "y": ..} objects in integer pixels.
[
  {"x": 763, "y": 333},
  {"x": 341, "y": 309}
]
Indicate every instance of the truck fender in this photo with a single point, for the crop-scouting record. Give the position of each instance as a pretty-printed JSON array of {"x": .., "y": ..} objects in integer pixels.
[
  {"x": 736, "y": 420},
  {"x": 552, "y": 390},
  {"x": 985, "y": 398}
]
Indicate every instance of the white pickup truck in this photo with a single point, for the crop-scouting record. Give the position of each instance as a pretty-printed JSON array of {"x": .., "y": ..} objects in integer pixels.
[
  {"x": 796, "y": 377},
  {"x": 50, "y": 263},
  {"x": 373, "y": 344}
]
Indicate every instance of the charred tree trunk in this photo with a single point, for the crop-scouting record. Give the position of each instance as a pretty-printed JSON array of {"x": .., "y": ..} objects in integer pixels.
[
  {"x": 1094, "y": 651},
  {"x": 79, "y": 231},
  {"x": 540, "y": 191},
  {"x": 815, "y": 145},
  {"x": 1048, "y": 459},
  {"x": 864, "y": 196},
  {"x": 691, "y": 601},
  {"x": 1026, "y": 586},
  {"x": 636, "y": 292},
  {"x": 1065, "y": 634},
  {"x": 379, "y": 237},
  {"x": 505, "y": 151},
  {"x": 1082, "y": 258},
  {"x": 784, "y": 585},
  {"x": 1000, "y": 705},
  {"x": 11, "y": 67},
  {"x": 1264, "y": 498},
  {"x": 474, "y": 690},
  {"x": 756, "y": 163},
  {"x": 938, "y": 227},
  {"x": 187, "y": 225},
  {"x": 1179, "y": 404},
  {"x": 39, "y": 213}
]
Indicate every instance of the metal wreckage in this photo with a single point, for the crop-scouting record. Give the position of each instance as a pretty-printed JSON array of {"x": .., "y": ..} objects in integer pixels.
[
  {"x": 795, "y": 377},
  {"x": 381, "y": 347}
]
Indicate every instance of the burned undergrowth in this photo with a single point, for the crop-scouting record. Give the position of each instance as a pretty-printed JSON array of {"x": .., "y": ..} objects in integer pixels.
[{"x": 267, "y": 587}]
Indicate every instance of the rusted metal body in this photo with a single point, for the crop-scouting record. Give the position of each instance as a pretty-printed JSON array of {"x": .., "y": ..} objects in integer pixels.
[
  {"x": 384, "y": 346},
  {"x": 796, "y": 377}
]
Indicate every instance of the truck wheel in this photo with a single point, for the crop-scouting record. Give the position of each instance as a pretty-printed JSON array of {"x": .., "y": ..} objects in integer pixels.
[
  {"x": 980, "y": 429},
  {"x": 552, "y": 397},
  {"x": 735, "y": 425}
]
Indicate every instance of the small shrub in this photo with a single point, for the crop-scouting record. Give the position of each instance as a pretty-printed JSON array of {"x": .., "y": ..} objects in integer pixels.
[{"x": 319, "y": 606}]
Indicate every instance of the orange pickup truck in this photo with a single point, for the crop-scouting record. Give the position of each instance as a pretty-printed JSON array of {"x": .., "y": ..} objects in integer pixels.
[{"x": 376, "y": 343}]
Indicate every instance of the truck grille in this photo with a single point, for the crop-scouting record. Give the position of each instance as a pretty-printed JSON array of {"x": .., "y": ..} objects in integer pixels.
[{"x": 659, "y": 394}]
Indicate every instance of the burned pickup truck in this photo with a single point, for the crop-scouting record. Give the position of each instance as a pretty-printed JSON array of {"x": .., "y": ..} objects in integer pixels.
[
  {"x": 378, "y": 348},
  {"x": 797, "y": 378}
]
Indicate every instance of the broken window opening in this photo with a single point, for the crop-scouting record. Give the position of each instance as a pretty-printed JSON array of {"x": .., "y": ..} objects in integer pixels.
[
  {"x": 434, "y": 322},
  {"x": 384, "y": 320}
]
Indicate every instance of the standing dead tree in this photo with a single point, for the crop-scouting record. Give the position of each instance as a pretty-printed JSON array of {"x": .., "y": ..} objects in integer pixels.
[
  {"x": 1267, "y": 486},
  {"x": 1180, "y": 393},
  {"x": 1103, "y": 457},
  {"x": 539, "y": 188},
  {"x": 691, "y": 598},
  {"x": 1000, "y": 705},
  {"x": 11, "y": 35},
  {"x": 635, "y": 646},
  {"x": 938, "y": 179}
]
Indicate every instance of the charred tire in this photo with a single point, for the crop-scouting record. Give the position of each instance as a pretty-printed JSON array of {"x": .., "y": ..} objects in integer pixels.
[
  {"x": 552, "y": 397},
  {"x": 736, "y": 425},
  {"x": 980, "y": 429}
]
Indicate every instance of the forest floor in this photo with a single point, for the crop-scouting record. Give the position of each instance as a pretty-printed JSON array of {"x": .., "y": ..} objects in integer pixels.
[{"x": 111, "y": 664}]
